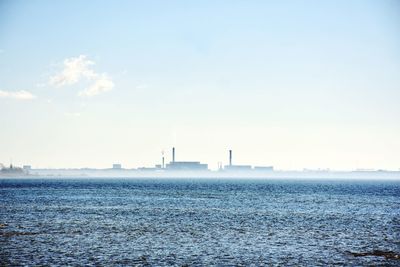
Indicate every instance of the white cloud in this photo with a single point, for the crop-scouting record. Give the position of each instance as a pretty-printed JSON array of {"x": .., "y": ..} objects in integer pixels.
[
  {"x": 79, "y": 68},
  {"x": 75, "y": 69},
  {"x": 19, "y": 95},
  {"x": 102, "y": 83}
]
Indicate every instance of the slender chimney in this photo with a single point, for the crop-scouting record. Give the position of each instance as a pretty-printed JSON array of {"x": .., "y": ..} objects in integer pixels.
[
  {"x": 173, "y": 154},
  {"x": 230, "y": 157}
]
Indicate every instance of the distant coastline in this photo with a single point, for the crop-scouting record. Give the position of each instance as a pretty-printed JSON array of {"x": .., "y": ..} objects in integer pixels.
[
  {"x": 257, "y": 174},
  {"x": 196, "y": 169}
]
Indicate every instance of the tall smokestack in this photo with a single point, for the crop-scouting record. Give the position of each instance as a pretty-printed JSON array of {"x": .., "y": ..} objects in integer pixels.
[
  {"x": 230, "y": 157},
  {"x": 173, "y": 154}
]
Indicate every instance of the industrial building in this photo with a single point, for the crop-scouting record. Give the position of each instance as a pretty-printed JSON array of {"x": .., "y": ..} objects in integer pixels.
[
  {"x": 232, "y": 167},
  {"x": 12, "y": 170},
  {"x": 238, "y": 167},
  {"x": 185, "y": 165},
  {"x": 263, "y": 168},
  {"x": 117, "y": 166},
  {"x": 27, "y": 168}
]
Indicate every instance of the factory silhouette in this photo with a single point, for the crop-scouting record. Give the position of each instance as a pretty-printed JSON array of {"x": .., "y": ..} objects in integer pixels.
[
  {"x": 175, "y": 165},
  {"x": 191, "y": 169}
]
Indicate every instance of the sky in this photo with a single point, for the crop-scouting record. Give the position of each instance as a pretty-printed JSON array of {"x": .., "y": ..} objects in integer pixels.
[{"x": 293, "y": 84}]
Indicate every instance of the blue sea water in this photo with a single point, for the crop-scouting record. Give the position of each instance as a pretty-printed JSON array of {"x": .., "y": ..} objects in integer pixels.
[{"x": 197, "y": 222}]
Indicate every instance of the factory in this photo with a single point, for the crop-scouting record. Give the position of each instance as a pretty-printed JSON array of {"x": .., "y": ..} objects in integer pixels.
[
  {"x": 232, "y": 167},
  {"x": 170, "y": 169},
  {"x": 263, "y": 168},
  {"x": 116, "y": 166},
  {"x": 196, "y": 165},
  {"x": 185, "y": 165}
]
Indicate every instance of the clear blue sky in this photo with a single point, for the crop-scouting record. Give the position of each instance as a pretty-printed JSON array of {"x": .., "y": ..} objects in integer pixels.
[{"x": 294, "y": 84}]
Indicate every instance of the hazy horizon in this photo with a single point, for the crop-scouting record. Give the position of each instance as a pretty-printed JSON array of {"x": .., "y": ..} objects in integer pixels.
[{"x": 281, "y": 83}]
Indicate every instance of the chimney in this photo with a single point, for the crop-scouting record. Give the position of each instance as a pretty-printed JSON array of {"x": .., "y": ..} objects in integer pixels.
[
  {"x": 230, "y": 157},
  {"x": 173, "y": 154}
]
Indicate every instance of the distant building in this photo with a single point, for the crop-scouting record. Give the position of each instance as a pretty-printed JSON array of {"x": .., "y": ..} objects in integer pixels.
[
  {"x": 117, "y": 166},
  {"x": 12, "y": 170},
  {"x": 232, "y": 167},
  {"x": 263, "y": 168},
  {"x": 27, "y": 167},
  {"x": 237, "y": 167},
  {"x": 186, "y": 165}
]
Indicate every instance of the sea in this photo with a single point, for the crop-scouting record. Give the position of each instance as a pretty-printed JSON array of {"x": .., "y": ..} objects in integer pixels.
[{"x": 198, "y": 222}]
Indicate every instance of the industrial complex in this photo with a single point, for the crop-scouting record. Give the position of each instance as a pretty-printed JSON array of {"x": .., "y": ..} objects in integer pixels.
[
  {"x": 191, "y": 169},
  {"x": 184, "y": 165},
  {"x": 173, "y": 165}
]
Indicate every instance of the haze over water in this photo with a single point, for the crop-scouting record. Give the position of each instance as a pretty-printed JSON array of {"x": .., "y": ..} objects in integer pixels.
[{"x": 197, "y": 222}]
